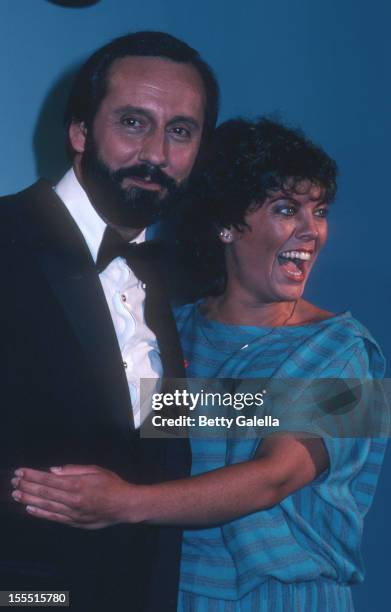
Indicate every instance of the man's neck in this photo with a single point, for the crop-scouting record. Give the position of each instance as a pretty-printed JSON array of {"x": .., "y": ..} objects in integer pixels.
[{"x": 127, "y": 234}]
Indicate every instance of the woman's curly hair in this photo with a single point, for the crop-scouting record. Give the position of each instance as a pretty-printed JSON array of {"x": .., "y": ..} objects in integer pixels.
[{"x": 247, "y": 162}]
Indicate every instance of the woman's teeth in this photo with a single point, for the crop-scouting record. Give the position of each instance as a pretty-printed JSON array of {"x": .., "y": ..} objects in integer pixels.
[
  {"x": 302, "y": 255},
  {"x": 293, "y": 261}
]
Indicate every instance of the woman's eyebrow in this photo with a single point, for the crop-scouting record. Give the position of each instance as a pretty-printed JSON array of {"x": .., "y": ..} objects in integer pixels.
[{"x": 283, "y": 196}]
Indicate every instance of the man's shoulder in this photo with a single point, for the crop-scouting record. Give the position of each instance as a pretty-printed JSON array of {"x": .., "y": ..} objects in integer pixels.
[
  {"x": 37, "y": 189},
  {"x": 13, "y": 208}
]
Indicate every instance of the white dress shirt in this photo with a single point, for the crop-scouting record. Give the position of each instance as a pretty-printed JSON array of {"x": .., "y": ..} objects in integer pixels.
[{"x": 124, "y": 294}]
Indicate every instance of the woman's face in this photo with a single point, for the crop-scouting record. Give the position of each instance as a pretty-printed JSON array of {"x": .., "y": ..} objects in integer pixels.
[{"x": 272, "y": 258}]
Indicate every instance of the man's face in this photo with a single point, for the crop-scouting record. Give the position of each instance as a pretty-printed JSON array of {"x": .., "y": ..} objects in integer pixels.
[{"x": 144, "y": 139}]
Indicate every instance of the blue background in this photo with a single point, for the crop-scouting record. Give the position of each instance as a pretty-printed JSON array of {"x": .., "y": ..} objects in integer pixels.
[{"x": 321, "y": 65}]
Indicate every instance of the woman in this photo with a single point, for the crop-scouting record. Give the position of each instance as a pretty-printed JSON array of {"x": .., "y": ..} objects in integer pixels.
[
  {"x": 265, "y": 206},
  {"x": 278, "y": 520}
]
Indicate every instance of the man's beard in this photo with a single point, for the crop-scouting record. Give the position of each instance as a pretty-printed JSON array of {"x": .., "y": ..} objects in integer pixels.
[{"x": 132, "y": 207}]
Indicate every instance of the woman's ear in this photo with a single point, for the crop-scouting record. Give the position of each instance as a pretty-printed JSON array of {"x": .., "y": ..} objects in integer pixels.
[
  {"x": 229, "y": 235},
  {"x": 77, "y": 136}
]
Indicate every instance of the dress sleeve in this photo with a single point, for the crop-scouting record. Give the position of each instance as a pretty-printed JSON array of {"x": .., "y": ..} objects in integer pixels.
[
  {"x": 316, "y": 531},
  {"x": 355, "y": 461}
]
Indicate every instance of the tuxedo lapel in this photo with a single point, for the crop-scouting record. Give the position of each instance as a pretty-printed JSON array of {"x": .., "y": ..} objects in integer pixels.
[
  {"x": 144, "y": 262},
  {"x": 71, "y": 274}
]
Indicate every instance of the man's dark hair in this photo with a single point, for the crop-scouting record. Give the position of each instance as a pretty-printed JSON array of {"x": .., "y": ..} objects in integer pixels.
[
  {"x": 90, "y": 86},
  {"x": 247, "y": 162}
]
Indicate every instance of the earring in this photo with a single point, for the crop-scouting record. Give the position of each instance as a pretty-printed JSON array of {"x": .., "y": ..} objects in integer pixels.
[{"x": 226, "y": 235}]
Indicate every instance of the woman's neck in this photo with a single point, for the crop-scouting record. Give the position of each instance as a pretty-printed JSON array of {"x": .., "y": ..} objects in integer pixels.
[
  {"x": 244, "y": 311},
  {"x": 235, "y": 309}
]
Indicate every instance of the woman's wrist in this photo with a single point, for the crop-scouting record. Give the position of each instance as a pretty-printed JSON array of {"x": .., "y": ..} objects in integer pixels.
[{"x": 136, "y": 503}]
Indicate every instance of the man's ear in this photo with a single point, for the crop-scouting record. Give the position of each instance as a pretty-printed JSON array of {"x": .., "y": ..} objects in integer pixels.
[
  {"x": 228, "y": 235},
  {"x": 77, "y": 136}
]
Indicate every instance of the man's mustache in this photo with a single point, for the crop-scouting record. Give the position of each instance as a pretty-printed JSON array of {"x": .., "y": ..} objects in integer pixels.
[{"x": 143, "y": 171}]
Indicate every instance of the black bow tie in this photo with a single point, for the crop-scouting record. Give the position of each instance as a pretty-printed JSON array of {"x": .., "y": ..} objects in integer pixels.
[
  {"x": 144, "y": 260},
  {"x": 112, "y": 246}
]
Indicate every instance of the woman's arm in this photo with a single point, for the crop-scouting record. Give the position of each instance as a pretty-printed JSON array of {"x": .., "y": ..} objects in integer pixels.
[{"x": 91, "y": 497}]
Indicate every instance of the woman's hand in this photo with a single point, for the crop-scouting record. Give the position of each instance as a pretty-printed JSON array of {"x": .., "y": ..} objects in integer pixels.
[{"x": 85, "y": 496}]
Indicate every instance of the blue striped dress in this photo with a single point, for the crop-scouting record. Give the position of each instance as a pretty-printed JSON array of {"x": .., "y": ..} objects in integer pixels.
[{"x": 302, "y": 554}]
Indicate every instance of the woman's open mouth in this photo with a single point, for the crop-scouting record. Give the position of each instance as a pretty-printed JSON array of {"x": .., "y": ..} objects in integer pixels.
[{"x": 294, "y": 264}]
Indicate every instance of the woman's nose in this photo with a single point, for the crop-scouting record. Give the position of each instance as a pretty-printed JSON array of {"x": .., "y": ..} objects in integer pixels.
[{"x": 307, "y": 228}]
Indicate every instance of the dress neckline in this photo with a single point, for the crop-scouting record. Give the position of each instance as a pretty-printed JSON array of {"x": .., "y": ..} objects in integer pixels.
[{"x": 231, "y": 327}]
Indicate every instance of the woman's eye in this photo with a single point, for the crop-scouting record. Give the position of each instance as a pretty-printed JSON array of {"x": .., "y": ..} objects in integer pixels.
[
  {"x": 288, "y": 210},
  {"x": 322, "y": 212}
]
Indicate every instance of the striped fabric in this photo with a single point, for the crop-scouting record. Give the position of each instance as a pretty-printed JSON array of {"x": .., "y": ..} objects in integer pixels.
[
  {"x": 303, "y": 553},
  {"x": 275, "y": 596}
]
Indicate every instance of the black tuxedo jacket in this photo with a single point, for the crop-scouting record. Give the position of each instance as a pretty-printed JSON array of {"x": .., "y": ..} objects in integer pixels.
[{"x": 64, "y": 394}]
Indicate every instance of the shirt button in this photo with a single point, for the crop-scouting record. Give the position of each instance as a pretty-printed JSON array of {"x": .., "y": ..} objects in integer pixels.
[
  {"x": 123, "y": 297},
  {"x": 125, "y": 364}
]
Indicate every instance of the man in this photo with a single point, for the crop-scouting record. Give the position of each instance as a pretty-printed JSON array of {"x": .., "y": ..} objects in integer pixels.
[{"x": 84, "y": 317}]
